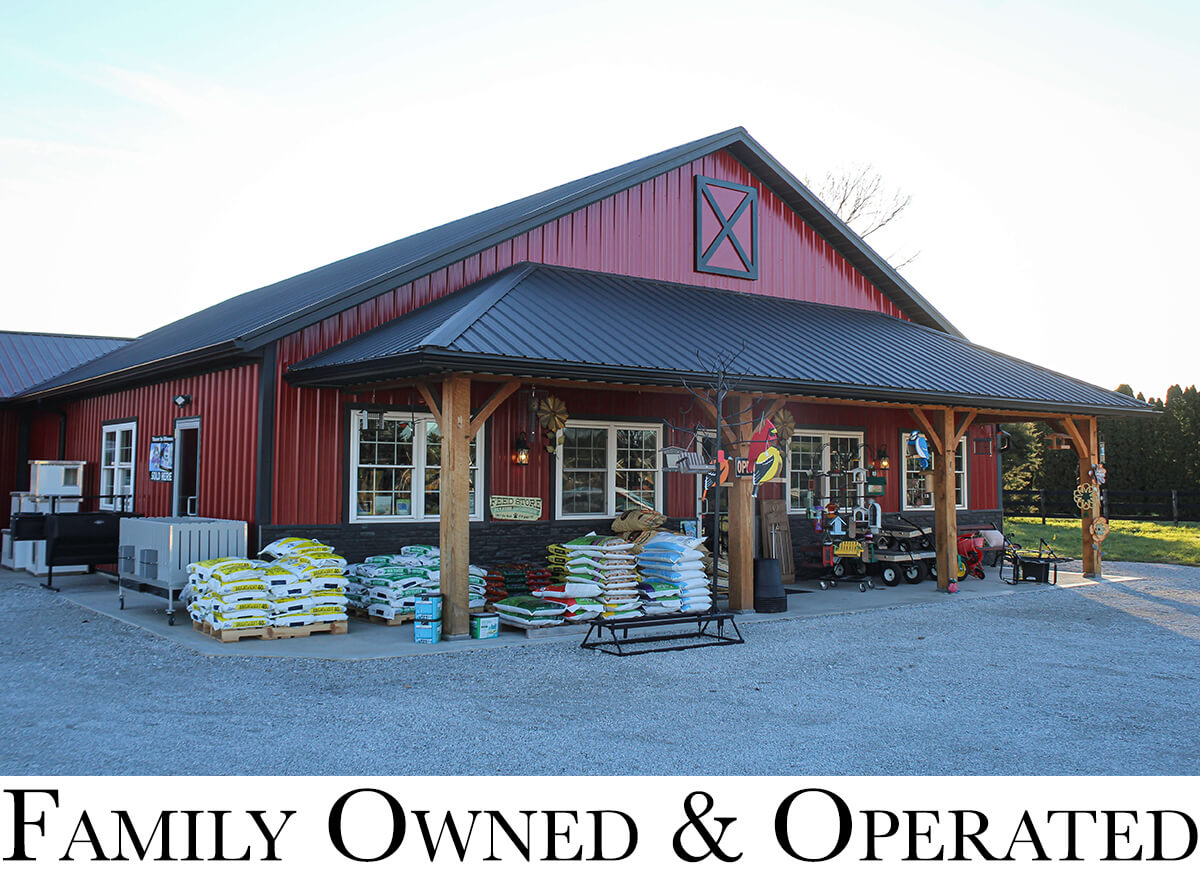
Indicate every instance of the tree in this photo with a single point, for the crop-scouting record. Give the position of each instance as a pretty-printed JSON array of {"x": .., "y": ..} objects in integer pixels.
[{"x": 859, "y": 196}]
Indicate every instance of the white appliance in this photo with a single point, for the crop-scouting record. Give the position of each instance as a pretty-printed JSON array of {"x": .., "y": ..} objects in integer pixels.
[
  {"x": 56, "y": 478},
  {"x": 30, "y": 555},
  {"x": 156, "y": 551}
]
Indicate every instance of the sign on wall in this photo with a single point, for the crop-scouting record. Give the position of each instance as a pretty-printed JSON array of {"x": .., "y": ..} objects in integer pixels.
[
  {"x": 516, "y": 508},
  {"x": 162, "y": 458}
]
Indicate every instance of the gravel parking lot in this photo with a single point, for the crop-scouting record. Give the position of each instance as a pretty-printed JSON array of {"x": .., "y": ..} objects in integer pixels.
[{"x": 1099, "y": 679}]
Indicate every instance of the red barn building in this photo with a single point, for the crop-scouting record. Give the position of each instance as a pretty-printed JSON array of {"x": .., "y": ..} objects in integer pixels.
[{"x": 611, "y": 293}]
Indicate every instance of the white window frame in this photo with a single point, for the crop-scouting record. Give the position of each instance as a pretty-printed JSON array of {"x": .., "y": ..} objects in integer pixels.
[
  {"x": 822, "y": 481},
  {"x": 108, "y": 503},
  {"x": 961, "y": 451},
  {"x": 610, "y": 481},
  {"x": 419, "y": 466}
]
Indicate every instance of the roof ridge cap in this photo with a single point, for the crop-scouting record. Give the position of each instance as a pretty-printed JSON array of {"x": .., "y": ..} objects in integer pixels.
[{"x": 449, "y": 331}]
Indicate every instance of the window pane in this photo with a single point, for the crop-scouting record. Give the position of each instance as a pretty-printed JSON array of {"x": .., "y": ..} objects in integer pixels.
[
  {"x": 806, "y": 457},
  {"x": 583, "y": 492},
  {"x": 585, "y": 448},
  {"x": 124, "y": 480},
  {"x": 637, "y": 449},
  {"x": 106, "y": 481},
  {"x": 635, "y": 489},
  {"x": 433, "y": 495},
  {"x": 125, "y": 446},
  {"x": 367, "y": 452},
  {"x": 433, "y": 445}
]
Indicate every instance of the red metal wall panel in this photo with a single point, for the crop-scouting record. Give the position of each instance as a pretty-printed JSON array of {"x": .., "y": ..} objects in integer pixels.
[
  {"x": 645, "y": 231},
  {"x": 9, "y": 431},
  {"x": 226, "y": 403}
]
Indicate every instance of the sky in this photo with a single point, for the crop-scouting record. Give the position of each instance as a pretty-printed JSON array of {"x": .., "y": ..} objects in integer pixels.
[{"x": 158, "y": 158}]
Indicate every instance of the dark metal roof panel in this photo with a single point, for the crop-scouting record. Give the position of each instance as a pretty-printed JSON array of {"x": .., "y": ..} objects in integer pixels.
[
  {"x": 256, "y": 317},
  {"x": 27, "y": 359},
  {"x": 595, "y": 322}
]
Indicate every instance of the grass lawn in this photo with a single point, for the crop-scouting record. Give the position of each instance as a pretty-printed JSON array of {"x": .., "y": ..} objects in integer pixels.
[{"x": 1136, "y": 541}]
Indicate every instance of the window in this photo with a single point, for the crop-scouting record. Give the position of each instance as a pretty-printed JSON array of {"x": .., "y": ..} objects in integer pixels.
[
  {"x": 814, "y": 453},
  {"x": 396, "y": 466},
  {"x": 918, "y": 488},
  {"x": 604, "y": 469},
  {"x": 118, "y": 450}
]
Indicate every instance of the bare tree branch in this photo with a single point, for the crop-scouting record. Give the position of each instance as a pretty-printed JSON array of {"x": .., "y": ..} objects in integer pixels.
[{"x": 857, "y": 194}]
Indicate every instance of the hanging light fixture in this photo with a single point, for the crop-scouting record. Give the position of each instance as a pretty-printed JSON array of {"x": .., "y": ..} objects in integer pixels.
[
  {"x": 521, "y": 450},
  {"x": 881, "y": 458}
]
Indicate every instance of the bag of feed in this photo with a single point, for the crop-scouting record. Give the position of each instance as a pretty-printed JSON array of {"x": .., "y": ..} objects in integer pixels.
[
  {"x": 225, "y": 609},
  {"x": 296, "y": 604},
  {"x": 238, "y": 623},
  {"x": 293, "y": 619},
  {"x": 289, "y": 545},
  {"x": 420, "y": 551}
]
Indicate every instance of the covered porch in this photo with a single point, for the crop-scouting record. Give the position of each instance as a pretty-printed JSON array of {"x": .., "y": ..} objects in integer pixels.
[{"x": 534, "y": 326}]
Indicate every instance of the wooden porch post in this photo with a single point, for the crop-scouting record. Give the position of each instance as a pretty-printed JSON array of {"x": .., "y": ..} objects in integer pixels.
[
  {"x": 1092, "y": 563},
  {"x": 945, "y": 514},
  {"x": 454, "y": 526},
  {"x": 741, "y": 510}
]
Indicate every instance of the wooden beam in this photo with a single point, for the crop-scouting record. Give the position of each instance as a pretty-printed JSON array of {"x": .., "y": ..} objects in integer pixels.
[
  {"x": 776, "y": 404},
  {"x": 454, "y": 525},
  {"x": 962, "y": 430},
  {"x": 927, "y": 428},
  {"x": 741, "y": 514},
  {"x": 727, "y": 435},
  {"x": 1081, "y": 445},
  {"x": 431, "y": 401},
  {"x": 1093, "y": 566},
  {"x": 945, "y": 513},
  {"x": 498, "y": 396}
]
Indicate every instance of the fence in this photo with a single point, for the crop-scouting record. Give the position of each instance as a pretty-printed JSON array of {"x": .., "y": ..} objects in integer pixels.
[{"x": 1123, "y": 505}]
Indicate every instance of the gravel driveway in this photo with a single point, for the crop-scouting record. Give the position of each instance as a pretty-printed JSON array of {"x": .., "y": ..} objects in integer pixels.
[{"x": 1099, "y": 679}]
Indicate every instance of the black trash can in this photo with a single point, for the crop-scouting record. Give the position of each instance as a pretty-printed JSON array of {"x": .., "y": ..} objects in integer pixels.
[{"x": 769, "y": 595}]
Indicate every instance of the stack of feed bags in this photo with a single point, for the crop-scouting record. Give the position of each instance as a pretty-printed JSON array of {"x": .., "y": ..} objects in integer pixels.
[
  {"x": 659, "y": 597},
  {"x": 678, "y": 561},
  {"x": 529, "y": 611},
  {"x": 316, "y": 591},
  {"x": 228, "y": 593},
  {"x": 476, "y": 587},
  {"x": 572, "y": 583},
  {"x": 494, "y": 591},
  {"x": 609, "y": 562},
  {"x": 392, "y": 584}
]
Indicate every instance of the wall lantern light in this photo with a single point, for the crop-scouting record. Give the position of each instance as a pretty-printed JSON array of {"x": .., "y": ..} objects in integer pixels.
[
  {"x": 181, "y": 400},
  {"x": 882, "y": 460},
  {"x": 521, "y": 450}
]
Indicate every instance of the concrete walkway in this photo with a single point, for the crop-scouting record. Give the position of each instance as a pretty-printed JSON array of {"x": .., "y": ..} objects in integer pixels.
[{"x": 369, "y": 641}]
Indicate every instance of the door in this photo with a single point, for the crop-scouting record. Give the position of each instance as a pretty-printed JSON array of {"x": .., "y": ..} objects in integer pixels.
[{"x": 187, "y": 467}]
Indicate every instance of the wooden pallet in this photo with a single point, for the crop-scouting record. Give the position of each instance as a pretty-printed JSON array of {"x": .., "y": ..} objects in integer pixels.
[
  {"x": 364, "y": 615},
  {"x": 232, "y": 635},
  {"x": 334, "y": 628}
]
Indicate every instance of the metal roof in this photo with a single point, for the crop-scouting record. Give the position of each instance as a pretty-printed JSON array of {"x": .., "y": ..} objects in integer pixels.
[
  {"x": 252, "y": 319},
  {"x": 27, "y": 359},
  {"x": 540, "y": 321}
]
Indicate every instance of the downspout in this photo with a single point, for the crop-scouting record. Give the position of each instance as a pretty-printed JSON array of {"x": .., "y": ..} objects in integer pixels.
[
  {"x": 23, "y": 426},
  {"x": 62, "y": 433}
]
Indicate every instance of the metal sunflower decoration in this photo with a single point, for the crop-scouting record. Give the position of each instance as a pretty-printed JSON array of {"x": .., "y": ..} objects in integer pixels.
[
  {"x": 1085, "y": 495},
  {"x": 785, "y": 426},
  {"x": 552, "y": 415},
  {"x": 1100, "y": 530}
]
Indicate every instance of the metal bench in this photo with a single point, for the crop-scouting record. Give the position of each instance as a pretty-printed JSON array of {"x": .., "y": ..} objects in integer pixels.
[{"x": 702, "y": 636}]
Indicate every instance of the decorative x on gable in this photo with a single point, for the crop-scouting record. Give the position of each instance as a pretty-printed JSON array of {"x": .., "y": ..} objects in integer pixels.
[{"x": 726, "y": 228}]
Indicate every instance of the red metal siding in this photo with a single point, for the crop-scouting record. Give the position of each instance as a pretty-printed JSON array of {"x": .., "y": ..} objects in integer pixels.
[
  {"x": 645, "y": 231},
  {"x": 9, "y": 431},
  {"x": 225, "y": 402}
]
